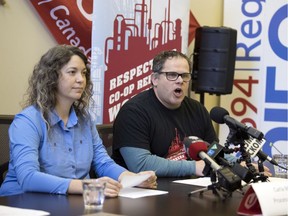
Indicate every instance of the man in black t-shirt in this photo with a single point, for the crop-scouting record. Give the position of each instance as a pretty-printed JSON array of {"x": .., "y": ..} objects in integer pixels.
[{"x": 150, "y": 128}]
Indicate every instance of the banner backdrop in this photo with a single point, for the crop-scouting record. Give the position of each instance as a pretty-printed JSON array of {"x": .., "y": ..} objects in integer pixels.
[
  {"x": 260, "y": 88},
  {"x": 126, "y": 35},
  {"x": 70, "y": 22}
]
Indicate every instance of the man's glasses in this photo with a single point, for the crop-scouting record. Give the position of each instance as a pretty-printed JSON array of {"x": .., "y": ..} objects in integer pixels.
[{"x": 172, "y": 76}]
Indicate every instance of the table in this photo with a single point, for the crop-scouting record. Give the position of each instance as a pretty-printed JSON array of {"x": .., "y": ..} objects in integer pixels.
[{"x": 175, "y": 203}]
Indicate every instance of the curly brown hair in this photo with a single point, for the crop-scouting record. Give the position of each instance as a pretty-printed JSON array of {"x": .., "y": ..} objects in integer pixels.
[{"x": 44, "y": 80}]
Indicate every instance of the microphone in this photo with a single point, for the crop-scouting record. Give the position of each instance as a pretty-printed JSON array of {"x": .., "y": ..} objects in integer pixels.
[
  {"x": 221, "y": 115},
  {"x": 196, "y": 150},
  {"x": 252, "y": 146},
  {"x": 217, "y": 151}
]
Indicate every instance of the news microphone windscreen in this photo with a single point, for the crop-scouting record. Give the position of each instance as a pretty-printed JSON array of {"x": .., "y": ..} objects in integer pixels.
[
  {"x": 217, "y": 114},
  {"x": 188, "y": 140},
  {"x": 195, "y": 148}
]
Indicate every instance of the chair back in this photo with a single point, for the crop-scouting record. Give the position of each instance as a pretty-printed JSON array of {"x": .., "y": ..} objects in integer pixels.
[
  {"x": 5, "y": 121},
  {"x": 106, "y": 133}
]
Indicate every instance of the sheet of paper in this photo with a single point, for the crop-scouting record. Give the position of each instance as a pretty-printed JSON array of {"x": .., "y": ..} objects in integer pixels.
[
  {"x": 139, "y": 192},
  {"x": 203, "y": 181},
  {"x": 12, "y": 211},
  {"x": 133, "y": 180}
]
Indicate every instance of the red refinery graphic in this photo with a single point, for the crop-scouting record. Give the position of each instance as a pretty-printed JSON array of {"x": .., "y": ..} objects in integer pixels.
[{"x": 129, "y": 53}]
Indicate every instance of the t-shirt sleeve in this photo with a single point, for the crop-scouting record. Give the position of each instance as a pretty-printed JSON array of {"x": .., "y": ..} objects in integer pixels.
[
  {"x": 131, "y": 129},
  {"x": 140, "y": 159}
]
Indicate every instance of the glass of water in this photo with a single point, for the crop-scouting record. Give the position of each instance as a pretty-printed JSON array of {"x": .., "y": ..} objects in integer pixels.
[{"x": 93, "y": 193}]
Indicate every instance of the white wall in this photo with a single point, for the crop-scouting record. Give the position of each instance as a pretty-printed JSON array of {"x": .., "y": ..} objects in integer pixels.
[{"x": 24, "y": 38}]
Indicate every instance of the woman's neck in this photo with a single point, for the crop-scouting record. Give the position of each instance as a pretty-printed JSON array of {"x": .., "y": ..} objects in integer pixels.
[{"x": 63, "y": 110}]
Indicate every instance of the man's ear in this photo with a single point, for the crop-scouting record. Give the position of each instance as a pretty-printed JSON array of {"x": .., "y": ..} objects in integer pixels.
[{"x": 154, "y": 79}]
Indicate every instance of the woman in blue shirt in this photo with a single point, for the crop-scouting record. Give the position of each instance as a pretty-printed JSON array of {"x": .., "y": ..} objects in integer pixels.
[{"x": 53, "y": 141}]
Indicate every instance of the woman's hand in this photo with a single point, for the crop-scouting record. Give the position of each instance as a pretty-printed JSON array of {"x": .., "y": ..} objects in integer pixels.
[
  {"x": 112, "y": 187},
  {"x": 151, "y": 182}
]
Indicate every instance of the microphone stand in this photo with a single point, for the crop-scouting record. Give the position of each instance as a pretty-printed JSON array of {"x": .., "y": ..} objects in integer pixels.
[
  {"x": 237, "y": 136},
  {"x": 216, "y": 187},
  {"x": 261, "y": 176}
]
